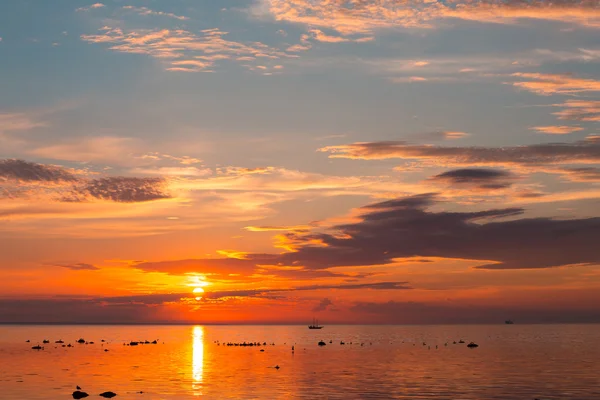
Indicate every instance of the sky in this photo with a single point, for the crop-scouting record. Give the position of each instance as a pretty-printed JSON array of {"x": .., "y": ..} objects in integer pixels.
[{"x": 275, "y": 161}]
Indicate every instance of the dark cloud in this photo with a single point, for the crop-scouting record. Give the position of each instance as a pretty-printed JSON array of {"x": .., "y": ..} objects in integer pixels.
[
  {"x": 480, "y": 178},
  {"x": 583, "y": 174},
  {"x": 24, "y": 171},
  {"x": 127, "y": 189},
  {"x": 399, "y": 312},
  {"x": 584, "y": 151},
  {"x": 323, "y": 305},
  {"x": 403, "y": 228},
  {"x": 78, "y": 267},
  {"x": 23, "y": 179}
]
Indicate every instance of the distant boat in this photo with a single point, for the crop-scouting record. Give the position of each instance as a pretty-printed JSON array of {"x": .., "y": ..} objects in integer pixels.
[
  {"x": 508, "y": 322},
  {"x": 315, "y": 325}
]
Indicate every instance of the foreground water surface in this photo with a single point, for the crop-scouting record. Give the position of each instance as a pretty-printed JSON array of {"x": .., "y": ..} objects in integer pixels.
[{"x": 383, "y": 362}]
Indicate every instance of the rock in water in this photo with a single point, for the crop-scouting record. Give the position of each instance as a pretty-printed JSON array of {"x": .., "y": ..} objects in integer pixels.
[
  {"x": 79, "y": 395},
  {"x": 108, "y": 395}
]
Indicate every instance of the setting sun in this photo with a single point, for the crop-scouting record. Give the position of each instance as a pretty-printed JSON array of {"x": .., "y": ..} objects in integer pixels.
[{"x": 198, "y": 291}]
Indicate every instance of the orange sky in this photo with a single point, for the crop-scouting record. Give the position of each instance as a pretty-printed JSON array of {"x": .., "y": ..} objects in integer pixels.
[{"x": 397, "y": 163}]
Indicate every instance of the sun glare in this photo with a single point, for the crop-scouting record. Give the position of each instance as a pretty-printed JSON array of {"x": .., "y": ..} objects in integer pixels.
[{"x": 198, "y": 291}]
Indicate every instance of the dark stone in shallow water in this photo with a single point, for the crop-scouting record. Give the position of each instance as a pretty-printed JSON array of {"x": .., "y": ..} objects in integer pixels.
[
  {"x": 79, "y": 395},
  {"x": 108, "y": 395}
]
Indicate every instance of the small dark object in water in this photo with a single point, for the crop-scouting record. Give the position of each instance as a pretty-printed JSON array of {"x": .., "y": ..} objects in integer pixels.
[
  {"x": 78, "y": 388},
  {"x": 81, "y": 341},
  {"x": 154, "y": 342},
  {"x": 331, "y": 341},
  {"x": 79, "y": 395},
  {"x": 38, "y": 347},
  {"x": 472, "y": 345},
  {"x": 277, "y": 367},
  {"x": 108, "y": 395},
  {"x": 45, "y": 341},
  {"x": 322, "y": 343},
  {"x": 262, "y": 349},
  {"x": 105, "y": 349},
  {"x": 342, "y": 342},
  {"x": 133, "y": 343},
  {"x": 27, "y": 341},
  {"x": 461, "y": 341},
  {"x": 91, "y": 342},
  {"x": 59, "y": 341}
]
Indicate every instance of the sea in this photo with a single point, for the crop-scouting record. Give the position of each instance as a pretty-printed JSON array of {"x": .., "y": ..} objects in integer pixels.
[{"x": 374, "y": 362}]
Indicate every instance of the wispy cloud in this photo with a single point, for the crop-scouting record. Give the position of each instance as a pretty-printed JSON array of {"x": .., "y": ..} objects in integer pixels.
[
  {"x": 182, "y": 50},
  {"x": 78, "y": 267},
  {"x": 363, "y": 17},
  {"x": 91, "y": 7},
  {"x": 549, "y": 84},
  {"x": 126, "y": 189},
  {"x": 557, "y": 129},
  {"x": 23, "y": 171},
  {"x": 579, "y": 110},
  {"x": 146, "y": 11},
  {"x": 584, "y": 151}
]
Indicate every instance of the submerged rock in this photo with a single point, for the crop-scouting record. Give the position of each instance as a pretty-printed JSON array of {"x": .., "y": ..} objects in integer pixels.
[
  {"x": 79, "y": 394},
  {"x": 322, "y": 343}
]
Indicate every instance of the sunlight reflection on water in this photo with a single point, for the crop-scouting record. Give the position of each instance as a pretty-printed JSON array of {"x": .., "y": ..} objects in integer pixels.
[{"x": 197, "y": 359}]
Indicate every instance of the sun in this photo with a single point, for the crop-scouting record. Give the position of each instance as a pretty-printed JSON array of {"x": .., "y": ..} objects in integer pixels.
[{"x": 198, "y": 291}]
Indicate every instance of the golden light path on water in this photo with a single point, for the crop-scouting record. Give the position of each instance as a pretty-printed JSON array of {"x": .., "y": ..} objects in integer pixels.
[{"x": 197, "y": 359}]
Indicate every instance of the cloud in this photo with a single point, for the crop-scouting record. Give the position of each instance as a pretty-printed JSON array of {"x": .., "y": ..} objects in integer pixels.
[
  {"x": 549, "y": 84},
  {"x": 439, "y": 136},
  {"x": 173, "y": 171},
  {"x": 323, "y": 305},
  {"x": 366, "y": 17},
  {"x": 584, "y": 151},
  {"x": 482, "y": 179},
  {"x": 557, "y": 130},
  {"x": 93, "y": 149},
  {"x": 17, "y": 122},
  {"x": 91, "y": 7},
  {"x": 404, "y": 227},
  {"x": 127, "y": 189},
  {"x": 78, "y": 267},
  {"x": 33, "y": 181},
  {"x": 24, "y": 171},
  {"x": 182, "y": 50},
  {"x": 146, "y": 11},
  {"x": 582, "y": 174},
  {"x": 277, "y": 228},
  {"x": 321, "y": 36},
  {"x": 579, "y": 110},
  {"x": 451, "y": 312}
]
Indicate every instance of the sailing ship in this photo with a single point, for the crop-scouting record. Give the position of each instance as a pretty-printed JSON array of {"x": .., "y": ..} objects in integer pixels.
[{"x": 315, "y": 325}]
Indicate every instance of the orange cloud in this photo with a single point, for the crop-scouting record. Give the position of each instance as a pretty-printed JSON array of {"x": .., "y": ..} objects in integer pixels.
[
  {"x": 579, "y": 110},
  {"x": 180, "y": 49},
  {"x": 557, "y": 130},
  {"x": 548, "y": 84},
  {"x": 365, "y": 17}
]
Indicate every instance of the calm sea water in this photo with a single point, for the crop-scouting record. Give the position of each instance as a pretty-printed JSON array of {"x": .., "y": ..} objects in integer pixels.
[{"x": 383, "y": 362}]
